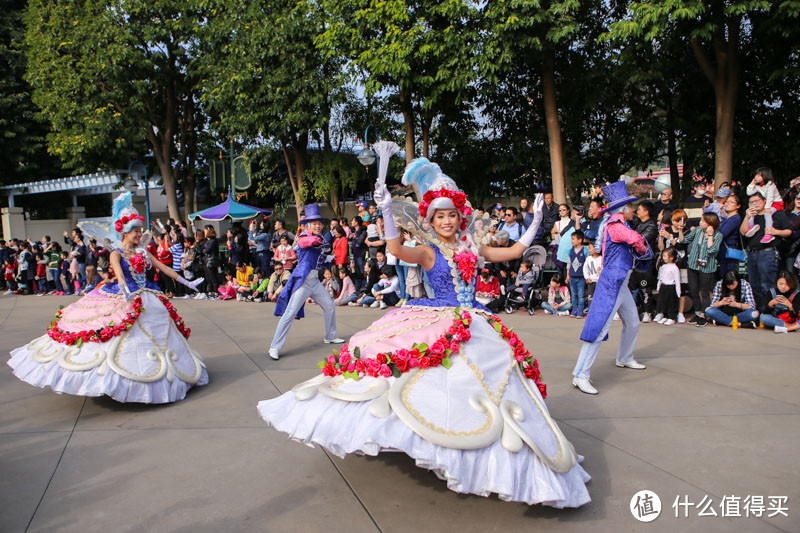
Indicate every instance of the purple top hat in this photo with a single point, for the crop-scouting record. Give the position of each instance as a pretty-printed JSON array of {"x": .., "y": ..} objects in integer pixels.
[
  {"x": 311, "y": 213},
  {"x": 616, "y": 195}
]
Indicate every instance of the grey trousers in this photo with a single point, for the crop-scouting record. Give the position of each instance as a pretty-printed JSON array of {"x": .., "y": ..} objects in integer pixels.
[
  {"x": 626, "y": 307},
  {"x": 311, "y": 287}
]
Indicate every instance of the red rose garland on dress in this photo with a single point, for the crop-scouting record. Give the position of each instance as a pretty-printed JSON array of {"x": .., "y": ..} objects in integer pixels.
[
  {"x": 120, "y": 224},
  {"x": 112, "y": 330},
  {"x": 351, "y": 365},
  {"x": 527, "y": 363},
  {"x": 103, "y": 334},
  {"x": 175, "y": 317}
]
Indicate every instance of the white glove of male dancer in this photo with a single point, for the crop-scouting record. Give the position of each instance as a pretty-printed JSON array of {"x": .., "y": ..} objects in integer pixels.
[
  {"x": 191, "y": 284},
  {"x": 538, "y": 214},
  {"x": 383, "y": 199}
]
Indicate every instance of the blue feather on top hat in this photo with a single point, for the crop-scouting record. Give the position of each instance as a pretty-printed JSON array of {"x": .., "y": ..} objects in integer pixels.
[
  {"x": 311, "y": 213},
  {"x": 616, "y": 195}
]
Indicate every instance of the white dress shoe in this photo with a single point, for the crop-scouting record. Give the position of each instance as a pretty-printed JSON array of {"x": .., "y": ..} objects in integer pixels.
[
  {"x": 273, "y": 353},
  {"x": 337, "y": 340},
  {"x": 631, "y": 364},
  {"x": 646, "y": 318},
  {"x": 584, "y": 385}
]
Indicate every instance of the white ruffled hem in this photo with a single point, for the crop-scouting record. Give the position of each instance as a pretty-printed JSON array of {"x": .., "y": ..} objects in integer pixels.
[
  {"x": 90, "y": 383},
  {"x": 348, "y": 427}
]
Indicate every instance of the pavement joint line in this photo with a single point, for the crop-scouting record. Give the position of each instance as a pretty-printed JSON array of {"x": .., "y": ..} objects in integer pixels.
[
  {"x": 58, "y": 463},
  {"x": 355, "y": 494},
  {"x": 246, "y": 354},
  {"x": 645, "y": 461}
]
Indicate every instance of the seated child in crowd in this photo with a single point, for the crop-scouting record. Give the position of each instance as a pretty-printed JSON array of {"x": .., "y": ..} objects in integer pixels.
[
  {"x": 668, "y": 288},
  {"x": 228, "y": 291},
  {"x": 488, "y": 287},
  {"x": 558, "y": 299},
  {"x": 348, "y": 292}
]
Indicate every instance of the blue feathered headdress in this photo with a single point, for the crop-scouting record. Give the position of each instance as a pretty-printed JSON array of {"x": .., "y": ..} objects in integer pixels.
[{"x": 124, "y": 215}]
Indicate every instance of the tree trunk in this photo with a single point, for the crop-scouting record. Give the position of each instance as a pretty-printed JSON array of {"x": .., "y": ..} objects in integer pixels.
[
  {"x": 295, "y": 189},
  {"x": 188, "y": 194},
  {"x": 300, "y": 151},
  {"x": 557, "y": 167},
  {"x": 723, "y": 140},
  {"x": 672, "y": 153},
  {"x": 408, "y": 121},
  {"x": 724, "y": 77},
  {"x": 162, "y": 148}
]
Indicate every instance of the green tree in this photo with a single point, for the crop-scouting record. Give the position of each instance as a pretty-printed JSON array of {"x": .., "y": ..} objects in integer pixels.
[
  {"x": 111, "y": 76},
  {"x": 23, "y": 142},
  {"x": 529, "y": 34},
  {"x": 423, "y": 52},
  {"x": 717, "y": 33},
  {"x": 268, "y": 83}
]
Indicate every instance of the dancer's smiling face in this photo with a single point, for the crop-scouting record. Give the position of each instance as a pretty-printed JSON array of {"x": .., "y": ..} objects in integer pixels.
[
  {"x": 134, "y": 236},
  {"x": 315, "y": 226},
  {"x": 445, "y": 223}
]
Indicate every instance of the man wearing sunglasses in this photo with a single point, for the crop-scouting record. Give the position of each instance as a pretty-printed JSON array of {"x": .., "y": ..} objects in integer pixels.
[
  {"x": 664, "y": 202},
  {"x": 510, "y": 224}
]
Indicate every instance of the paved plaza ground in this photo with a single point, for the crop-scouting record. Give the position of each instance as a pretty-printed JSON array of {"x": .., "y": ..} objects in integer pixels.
[{"x": 717, "y": 413}]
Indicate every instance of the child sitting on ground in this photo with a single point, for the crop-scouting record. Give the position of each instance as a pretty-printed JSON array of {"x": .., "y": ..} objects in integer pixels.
[
  {"x": 387, "y": 291},
  {"x": 558, "y": 299},
  {"x": 668, "y": 288},
  {"x": 348, "y": 292},
  {"x": 258, "y": 287},
  {"x": 488, "y": 287},
  {"x": 591, "y": 270},
  {"x": 228, "y": 291}
]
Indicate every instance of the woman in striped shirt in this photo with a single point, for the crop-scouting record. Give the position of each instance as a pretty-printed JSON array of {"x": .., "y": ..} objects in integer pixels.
[
  {"x": 704, "y": 242},
  {"x": 177, "y": 253}
]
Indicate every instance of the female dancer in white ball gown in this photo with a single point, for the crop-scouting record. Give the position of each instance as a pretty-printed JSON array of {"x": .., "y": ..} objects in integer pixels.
[
  {"x": 123, "y": 339},
  {"x": 440, "y": 379}
]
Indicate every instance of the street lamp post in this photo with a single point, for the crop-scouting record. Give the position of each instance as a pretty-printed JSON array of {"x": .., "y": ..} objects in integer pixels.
[
  {"x": 367, "y": 156},
  {"x": 132, "y": 185}
]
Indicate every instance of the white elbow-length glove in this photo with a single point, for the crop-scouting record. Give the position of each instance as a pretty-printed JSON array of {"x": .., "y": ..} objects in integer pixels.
[
  {"x": 383, "y": 199},
  {"x": 191, "y": 284},
  {"x": 530, "y": 233}
]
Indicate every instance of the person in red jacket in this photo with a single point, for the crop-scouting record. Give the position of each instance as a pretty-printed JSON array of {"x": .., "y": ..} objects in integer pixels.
[
  {"x": 340, "y": 247},
  {"x": 488, "y": 287}
]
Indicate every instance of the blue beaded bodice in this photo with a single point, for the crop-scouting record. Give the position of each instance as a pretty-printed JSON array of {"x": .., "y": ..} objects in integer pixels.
[
  {"x": 448, "y": 287},
  {"x": 134, "y": 281}
]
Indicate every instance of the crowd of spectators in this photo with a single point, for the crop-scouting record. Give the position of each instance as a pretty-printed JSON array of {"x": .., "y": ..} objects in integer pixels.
[{"x": 721, "y": 258}]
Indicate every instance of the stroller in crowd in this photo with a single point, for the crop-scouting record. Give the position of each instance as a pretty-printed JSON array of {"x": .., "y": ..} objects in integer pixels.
[{"x": 514, "y": 298}]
